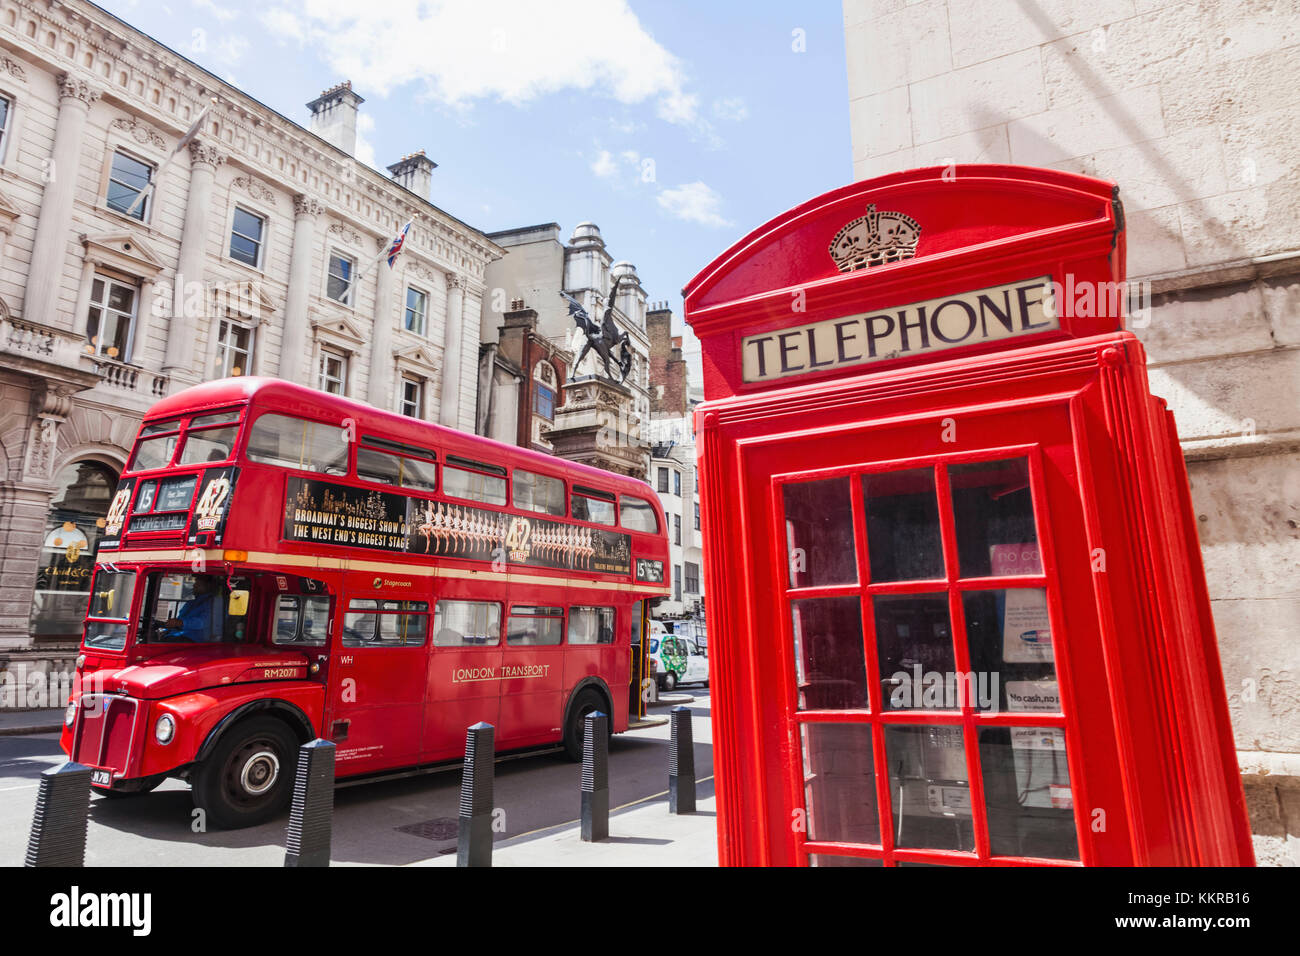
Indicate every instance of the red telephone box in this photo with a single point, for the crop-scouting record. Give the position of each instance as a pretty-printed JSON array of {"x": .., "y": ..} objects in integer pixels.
[{"x": 957, "y": 613}]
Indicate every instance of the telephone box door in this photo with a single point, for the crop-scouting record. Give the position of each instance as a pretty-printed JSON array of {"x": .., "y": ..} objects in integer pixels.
[{"x": 942, "y": 698}]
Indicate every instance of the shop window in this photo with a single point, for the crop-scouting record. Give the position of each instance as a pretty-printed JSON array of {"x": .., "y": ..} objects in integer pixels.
[{"x": 73, "y": 528}]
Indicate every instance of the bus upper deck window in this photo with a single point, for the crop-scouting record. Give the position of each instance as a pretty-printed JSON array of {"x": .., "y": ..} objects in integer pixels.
[
  {"x": 637, "y": 514},
  {"x": 541, "y": 493},
  {"x": 297, "y": 443},
  {"x": 396, "y": 463},
  {"x": 210, "y": 438},
  {"x": 485, "y": 483},
  {"x": 595, "y": 506}
]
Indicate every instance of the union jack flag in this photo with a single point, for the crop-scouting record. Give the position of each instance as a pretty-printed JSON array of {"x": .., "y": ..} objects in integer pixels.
[{"x": 397, "y": 243}]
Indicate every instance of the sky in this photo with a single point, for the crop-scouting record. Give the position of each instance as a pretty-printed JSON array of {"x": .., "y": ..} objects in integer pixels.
[{"x": 677, "y": 127}]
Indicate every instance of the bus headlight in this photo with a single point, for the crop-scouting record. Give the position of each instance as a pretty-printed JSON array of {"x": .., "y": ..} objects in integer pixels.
[
  {"x": 165, "y": 729},
  {"x": 70, "y": 715}
]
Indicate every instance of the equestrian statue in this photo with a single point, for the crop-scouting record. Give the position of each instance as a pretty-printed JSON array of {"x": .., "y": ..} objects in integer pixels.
[{"x": 605, "y": 338}]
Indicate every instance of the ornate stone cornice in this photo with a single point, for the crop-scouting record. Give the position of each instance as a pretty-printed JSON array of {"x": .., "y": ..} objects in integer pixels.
[
  {"x": 145, "y": 135},
  {"x": 344, "y": 233},
  {"x": 304, "y": 205},
  {"x": 12, "y": 68},
  {"x": 420, "y": 269},
  {"x": 74, "y": 88},
  {"x": 255, "y": 189},
  {"x": 206, "y": 154}
]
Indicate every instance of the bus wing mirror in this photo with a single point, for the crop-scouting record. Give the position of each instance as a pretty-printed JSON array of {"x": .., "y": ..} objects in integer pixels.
[{"x": 238, "y": 606}]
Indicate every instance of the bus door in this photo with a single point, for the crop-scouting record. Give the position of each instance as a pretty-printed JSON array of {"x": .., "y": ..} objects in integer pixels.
[
  {"x": 532, "y": 674},
  {"x": 463, "y": 678},
  {"x": 376, "y": 686},
  {"x": 637, "y": 687}
]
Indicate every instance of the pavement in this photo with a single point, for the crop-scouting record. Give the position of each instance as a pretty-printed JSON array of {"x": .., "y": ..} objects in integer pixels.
[
  {"x": 642, "y": 834},
  {"x": 15, "y": 722},
  {"x": 641, "y": 831}
]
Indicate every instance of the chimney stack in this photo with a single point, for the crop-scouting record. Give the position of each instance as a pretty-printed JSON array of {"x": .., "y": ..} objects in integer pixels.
[
  {"x": 415, "y": 172},
  {"x": 334, "y": 116}
]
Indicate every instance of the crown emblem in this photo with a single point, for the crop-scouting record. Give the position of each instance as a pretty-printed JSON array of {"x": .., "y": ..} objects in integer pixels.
[{"x": 874, "y": 239}]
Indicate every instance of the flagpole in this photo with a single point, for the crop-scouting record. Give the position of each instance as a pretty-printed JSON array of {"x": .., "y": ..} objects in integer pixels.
[
  {"x": 184, "y": 141},
  {"x": 352, "y": 283}
]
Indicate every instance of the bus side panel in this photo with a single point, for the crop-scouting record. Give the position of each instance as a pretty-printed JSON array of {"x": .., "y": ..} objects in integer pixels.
[
  {"x": 463, "y": 683},
  {"x": 198, "y": 713}
]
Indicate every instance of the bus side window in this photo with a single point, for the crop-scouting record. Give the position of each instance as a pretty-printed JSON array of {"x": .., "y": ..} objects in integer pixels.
[
  {"x": 466, "y": 624},
  {"x": 286, "y": 620},
  {"x": 315, "y": 621},
  {"x": 361, "y": 623},
  {"x": 591, "y": 625}
]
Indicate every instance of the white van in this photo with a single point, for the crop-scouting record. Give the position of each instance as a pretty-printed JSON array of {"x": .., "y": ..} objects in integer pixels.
[{"x": 677, "y": 659}]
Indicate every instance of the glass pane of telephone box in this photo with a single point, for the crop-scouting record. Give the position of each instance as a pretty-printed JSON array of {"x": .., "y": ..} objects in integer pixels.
[
  {"x": 1027, "y": 792},
  {"x": 928, "y": 787},
  {"x": 830, "y": 666},
  {"x": 1011, "y": 651},
  {"x": 994, "y": 514},
  {"x": 840, "y": 783},
  {"x": 819, "y": 533},
  {"x": 914, "y": 648},
  {"x": 902, "y": 512}
]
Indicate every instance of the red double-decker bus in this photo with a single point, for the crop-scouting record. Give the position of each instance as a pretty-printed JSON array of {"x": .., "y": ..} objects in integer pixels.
[{"x": 279, "y": 564}]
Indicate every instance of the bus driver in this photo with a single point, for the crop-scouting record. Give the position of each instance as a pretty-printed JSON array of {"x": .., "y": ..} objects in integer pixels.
[{"x": 200, "y": 618}]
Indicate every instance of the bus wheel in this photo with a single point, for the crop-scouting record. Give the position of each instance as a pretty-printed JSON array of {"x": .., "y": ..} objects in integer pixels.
[
  {"x": 585, "y": 703},
  {"x": 248, "y": 778},
  {"x": 670, "y": 682}
]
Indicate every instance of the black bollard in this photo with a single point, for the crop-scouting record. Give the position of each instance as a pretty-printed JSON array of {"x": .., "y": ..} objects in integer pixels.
[
  {"x": 595, "y": 777},
  {"x": 475, "y": 840},
  {"x": 58, "y": 835},
  {"x": 681, "y": 764},
  {"x": 311, "y": 819}
]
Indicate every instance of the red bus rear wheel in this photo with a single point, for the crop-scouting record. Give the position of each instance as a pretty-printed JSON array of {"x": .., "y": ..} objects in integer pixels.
[
  {"x": 248, "y": 778},
  {"x": 586, "y": 702}
]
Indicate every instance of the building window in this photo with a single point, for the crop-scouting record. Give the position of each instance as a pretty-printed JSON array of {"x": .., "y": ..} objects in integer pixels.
[
  {"x": 75, "y": 524},
  {"x": 697, "y": 516},
  {"x": 127, "y": 179},
  {"x": 677, "y": 582},
  {"x": 340, "y": 278},
  {"x": 110, "y": 326},
  {"x": 234, "y": 349},
  {"x": 544, "y": 401},
  {"x": 412, "y": 397},
  {"x": 5, "y": 108},
  {"x": 246, "y": 238},
  {"x": 417, "y": 306},
  {"x": 663, "y": 481},
  {"x": 677, "y": 483},
  {"x": 333, "y": 376},
  {"x": 677, "y": 529},
  {"x": 692, "y": 578}
]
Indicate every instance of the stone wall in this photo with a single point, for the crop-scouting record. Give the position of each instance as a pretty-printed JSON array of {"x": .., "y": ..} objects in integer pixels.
[{"x": 1193, "y": 108}]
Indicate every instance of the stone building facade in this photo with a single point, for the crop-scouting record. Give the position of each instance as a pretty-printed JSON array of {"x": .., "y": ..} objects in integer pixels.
[
  {"x": 1193, "y": 108},
  {"x": 246, "y": 256},
  {"x": 673, "y": 473},
  {"x": 596, "y": 421}
]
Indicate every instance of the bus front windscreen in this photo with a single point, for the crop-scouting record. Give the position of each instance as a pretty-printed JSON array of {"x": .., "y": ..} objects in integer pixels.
[{"x": 110, "y": 609}]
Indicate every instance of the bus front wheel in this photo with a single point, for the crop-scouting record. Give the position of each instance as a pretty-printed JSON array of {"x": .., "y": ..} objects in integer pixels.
[
  {"x": 248, "y": 777},
  {"x": 586, "y": 702}
]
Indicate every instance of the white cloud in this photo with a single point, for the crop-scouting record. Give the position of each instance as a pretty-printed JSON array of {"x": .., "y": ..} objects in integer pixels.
[
  {"x": 511, "y": 50},
  {"x": 604, "y": 165},
  {"x": 231, "y": 48},
  {"x": 222, "y": 14},
  {"x": 694, "y": 202},
  {"x": 365, "y": 152},
  {"x": 732, "y": 108}
]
